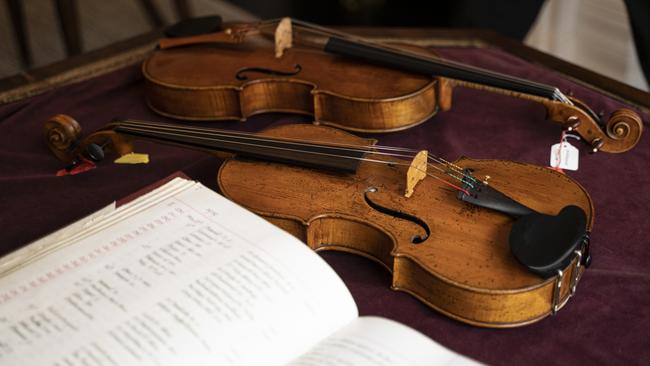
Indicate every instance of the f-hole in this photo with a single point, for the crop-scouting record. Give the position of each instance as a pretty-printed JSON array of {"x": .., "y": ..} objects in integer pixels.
[
  {"x": 240, "y": 73},
  {"x": 415, "y": 239}
]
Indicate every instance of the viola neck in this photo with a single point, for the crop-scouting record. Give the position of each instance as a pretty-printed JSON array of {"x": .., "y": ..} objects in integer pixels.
[
  {"x": 288, "y": 151},
  {"x": 411, "y": 62}
]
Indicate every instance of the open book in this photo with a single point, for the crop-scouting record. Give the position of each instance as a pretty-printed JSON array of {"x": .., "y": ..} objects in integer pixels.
[{"x": 182, "y": 276}]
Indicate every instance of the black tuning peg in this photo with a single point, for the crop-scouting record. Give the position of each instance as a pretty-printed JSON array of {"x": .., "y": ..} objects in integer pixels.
[{"x": 94, "y": 152}]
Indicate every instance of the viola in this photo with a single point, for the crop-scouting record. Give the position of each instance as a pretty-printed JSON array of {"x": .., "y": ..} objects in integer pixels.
[
  {"x": 488, "y": 242},
  {"x": 341, "y": 80},
  {"x": 186, "y": 83}
]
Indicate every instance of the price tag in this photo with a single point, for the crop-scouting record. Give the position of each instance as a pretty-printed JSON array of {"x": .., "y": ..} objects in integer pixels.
[{"x": 564, "y": 156}]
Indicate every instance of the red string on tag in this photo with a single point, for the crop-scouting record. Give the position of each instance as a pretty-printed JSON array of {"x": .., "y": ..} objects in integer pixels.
[{"x": 559, "y": 153}]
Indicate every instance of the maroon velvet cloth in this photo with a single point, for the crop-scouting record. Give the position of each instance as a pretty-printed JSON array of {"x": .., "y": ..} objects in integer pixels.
[{"x": 606, "y": 322}]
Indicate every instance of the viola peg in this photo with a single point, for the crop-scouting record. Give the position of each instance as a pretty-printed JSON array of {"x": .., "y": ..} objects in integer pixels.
[
  {"x": 596, "y": 145},
  {"x": 94, "y": 152},
  {"x": 572, "y": 123}
]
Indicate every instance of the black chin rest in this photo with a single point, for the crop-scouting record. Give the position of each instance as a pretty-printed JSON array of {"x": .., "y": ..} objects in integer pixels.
[{"x": 545, "y": 243}]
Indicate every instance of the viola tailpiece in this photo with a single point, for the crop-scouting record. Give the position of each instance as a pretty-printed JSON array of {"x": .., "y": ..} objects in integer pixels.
[
  {"x": 503, "y": 251},
  {"x": 414, "y": 83}
]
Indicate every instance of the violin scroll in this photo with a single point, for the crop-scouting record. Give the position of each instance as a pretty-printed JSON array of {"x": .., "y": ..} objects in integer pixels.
[
  {"x": 625, "y": 126},
  {"x": 621, "y": 133},
  {"x": 63, "y": 137}
]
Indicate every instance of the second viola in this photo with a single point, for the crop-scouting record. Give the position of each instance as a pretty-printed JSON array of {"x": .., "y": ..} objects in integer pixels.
[{"x": 342, "y": 80}]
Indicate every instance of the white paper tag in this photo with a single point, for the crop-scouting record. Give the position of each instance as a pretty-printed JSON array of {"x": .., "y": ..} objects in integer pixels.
[{"x": 564, "y": 156}]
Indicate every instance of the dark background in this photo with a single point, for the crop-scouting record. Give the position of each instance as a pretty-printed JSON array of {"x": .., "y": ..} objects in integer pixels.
[
  {"x": 508, "y": 17},
  {"x": 512, "y": 18},
  {"x": 35, "y": 33}
]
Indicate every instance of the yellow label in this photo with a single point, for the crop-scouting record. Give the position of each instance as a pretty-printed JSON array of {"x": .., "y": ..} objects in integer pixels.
[{"x": 132, "y": 158}]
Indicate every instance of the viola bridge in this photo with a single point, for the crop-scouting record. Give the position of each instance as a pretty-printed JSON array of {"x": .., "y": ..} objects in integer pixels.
[{"x": 416, "y": 172}]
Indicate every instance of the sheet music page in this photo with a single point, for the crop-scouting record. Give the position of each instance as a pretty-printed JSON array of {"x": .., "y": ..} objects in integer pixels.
[
  {"x": 23, "y": 255},
  {"x": 195, "y": 280},
  {"x": 373, "y": 341}
]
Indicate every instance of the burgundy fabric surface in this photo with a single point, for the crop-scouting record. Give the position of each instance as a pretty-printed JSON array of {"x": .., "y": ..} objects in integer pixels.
[{"x": 606, "y": 322}]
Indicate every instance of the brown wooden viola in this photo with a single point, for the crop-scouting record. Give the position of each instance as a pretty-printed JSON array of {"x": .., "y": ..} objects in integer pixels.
[
  {"x": 487, "y": 242},
  {"x": 341, "y": 80},
  {"x": 234, "y": 82}
]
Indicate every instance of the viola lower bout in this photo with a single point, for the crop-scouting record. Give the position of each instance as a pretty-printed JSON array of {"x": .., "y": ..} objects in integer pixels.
[{"x": 453, "y": 256}]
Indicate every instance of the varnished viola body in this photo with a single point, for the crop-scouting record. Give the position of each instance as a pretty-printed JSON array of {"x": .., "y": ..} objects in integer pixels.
[
  {"x": 457, "y": 257},
  {"x": 464, "y": 269},
  {"x": 201, "y": 83},
  {"x": 344, "y": 81}
]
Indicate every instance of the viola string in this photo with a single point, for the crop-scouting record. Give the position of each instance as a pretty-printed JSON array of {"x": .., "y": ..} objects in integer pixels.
[
  {"x": 349, "y": 147},
  {"x": 555, "y": 92},
  {"x": 136, "y": 129},
  {"x": 326, "y": 31},
  {"x": 254, "y": 136},
  {"x": 356, "y": 148},
  {"x": 458, "y": 170},
  {"x": 550, "y": 92},
  {"x": 450, "y": 184},
  {"x": 213, "y": 139}
]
